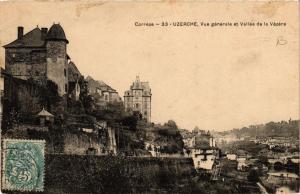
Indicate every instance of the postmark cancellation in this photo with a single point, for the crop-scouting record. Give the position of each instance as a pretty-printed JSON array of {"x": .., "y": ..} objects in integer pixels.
[{"x": 23, "y": 165}]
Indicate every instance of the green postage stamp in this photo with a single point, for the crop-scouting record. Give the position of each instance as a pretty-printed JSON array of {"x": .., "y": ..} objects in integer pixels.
[{"x": 23, "y": 165}]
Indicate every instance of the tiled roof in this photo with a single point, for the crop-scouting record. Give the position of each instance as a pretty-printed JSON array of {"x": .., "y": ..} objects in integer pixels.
[
  {"x": 99, "y": 84},
  {"x": 241, "y": 153},
  {"x": 145, "y": 86},
  {"x": 56, "y": 32},
  {"x": 202, "y": 141},
  {"x": 73, "y": 72},
  {"x": 30, "y": 39},
  {"x": 138, "y": 85},
  {"x": 34, "y": 37},
  {"x": 45, "y": 113}
]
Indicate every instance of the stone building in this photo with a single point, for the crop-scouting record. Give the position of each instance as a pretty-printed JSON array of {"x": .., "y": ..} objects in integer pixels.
[
  {"x": 75, "y": 81},
  {"x": 204, "y": 152},
  {"x": 138, "y": 98},
  {"x": 40, "y": 54},
  {"x": 101, "y": 92}
]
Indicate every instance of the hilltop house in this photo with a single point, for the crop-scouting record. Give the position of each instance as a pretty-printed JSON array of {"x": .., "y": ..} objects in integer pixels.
[
  {"x": 101, "y": 92},
  {"x": 39, "y": 73},
  {"x": 242, "y": 160},
  {"x": 138, "y": 98},
  {"x": 40, "y": 54},
  {"x": 204, "y": 152},
  {"x": 279, "y": 142},
  {"x": 189, "y": 141},
  {"x": 153, "y": 149},
  {"x": 282, "y": 177},
  {"x": 75, "y": 81},
  {"x": 231, "y": 156}
]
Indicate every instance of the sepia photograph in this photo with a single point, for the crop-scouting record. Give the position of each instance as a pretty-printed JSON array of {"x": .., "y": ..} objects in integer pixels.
[{"x": 149, "y": 97}]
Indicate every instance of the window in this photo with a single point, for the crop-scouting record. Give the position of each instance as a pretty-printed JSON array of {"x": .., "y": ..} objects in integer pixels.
[
  {"x": 65, "y": 72},
  {"x": 66, "y": 88},
  {"x": 145, "y": 112}
]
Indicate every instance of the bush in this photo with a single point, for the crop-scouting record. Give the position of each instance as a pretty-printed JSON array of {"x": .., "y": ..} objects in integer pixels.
[
  {"x": 253, "y": 176},
  {"x": 278, "y": 166}
]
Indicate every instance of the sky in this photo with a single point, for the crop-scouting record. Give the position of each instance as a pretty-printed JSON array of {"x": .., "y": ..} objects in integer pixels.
[{"x": 216, "y": 78}]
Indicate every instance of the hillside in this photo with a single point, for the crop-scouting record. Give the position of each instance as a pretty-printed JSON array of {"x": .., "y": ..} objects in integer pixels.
[{"x": 280, "y": 129}]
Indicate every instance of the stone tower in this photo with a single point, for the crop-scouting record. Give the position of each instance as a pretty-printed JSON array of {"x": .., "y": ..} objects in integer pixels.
[
  {"x": 56, "y": 46},
  {"x": 138, "y": 98},
  {"x": 40, "y": 55}
]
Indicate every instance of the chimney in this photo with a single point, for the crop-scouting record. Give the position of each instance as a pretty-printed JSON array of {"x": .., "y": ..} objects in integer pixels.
[
  {"x": 44, "y": 33},
  {"x": 20, "y": 32}
]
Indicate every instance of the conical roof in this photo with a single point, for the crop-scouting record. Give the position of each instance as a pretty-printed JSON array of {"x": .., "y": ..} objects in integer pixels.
[
  {"x": 56, "y": 32},
  {"x": 45, "y": 113}
]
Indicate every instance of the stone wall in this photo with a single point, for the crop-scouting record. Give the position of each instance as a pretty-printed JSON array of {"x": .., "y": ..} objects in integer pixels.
[
  {"x": 57, "y": 65},
  {"x": 25, "y": 127},
  {"x": 109, "y": 174},
  {"x": 25, "y": 63},
  {"x": 79, "y": 143},
  {"x": 147, "y": 108},
  {"x": 138, "y": 99}
]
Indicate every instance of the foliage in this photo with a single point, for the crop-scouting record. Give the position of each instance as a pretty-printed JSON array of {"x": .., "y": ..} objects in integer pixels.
[
  {"x": 278, "y": 166},
  {"x": 130, "y": 121},
  {"x": 263, "y": 160},
  {"x": 75, "y": 107},
  {"x": 283, "y": 129},
  {"x": 27, "y": 98},
  {"x": 253, "y": 176},
  {"x": 87, "y": 174},
  {"x": 292, "y": 167},
  {"x": 278, "y": 149},
  {"x": 171, "y": 124},
  {"x": 169, "y": 137},
  {"x": 248, "y": 146},
  {"x": 169, "y": 129},
  {"x": 166, "y": 177}
]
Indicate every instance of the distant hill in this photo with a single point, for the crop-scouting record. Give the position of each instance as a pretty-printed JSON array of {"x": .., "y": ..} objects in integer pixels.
[{"x": 280, "y": 129}]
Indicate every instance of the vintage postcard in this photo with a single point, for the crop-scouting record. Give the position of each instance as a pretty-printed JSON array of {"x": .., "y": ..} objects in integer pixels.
[{"x": 149, "y": 97}]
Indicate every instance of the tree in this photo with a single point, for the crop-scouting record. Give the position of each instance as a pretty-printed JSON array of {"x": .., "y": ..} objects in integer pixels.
[
  {"x": 278, "y": 166},
  {"x": 292, "y": 167},
  {"x": 172, "y": 124},
  {"x": 253, "y": 176},
  {"x": 278, "y": 149},
  {"x": 130, "y": 121},
  {"x": 188, "y": 151},
  {"x": 196, "y": 130},
  {"x": 263, "y": 160}
]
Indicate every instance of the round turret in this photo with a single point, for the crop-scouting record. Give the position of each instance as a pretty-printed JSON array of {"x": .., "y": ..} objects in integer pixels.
[{"x": 56, "y": 32}]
